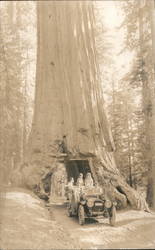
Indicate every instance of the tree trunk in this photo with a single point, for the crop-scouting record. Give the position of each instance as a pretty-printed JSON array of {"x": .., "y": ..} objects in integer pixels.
[
  {"x": 69, "y": 118},
  {"x": 151, "y": 186}
]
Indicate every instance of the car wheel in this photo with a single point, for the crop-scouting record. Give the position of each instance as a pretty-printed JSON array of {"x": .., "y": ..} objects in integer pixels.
[
  {"x": 69, "y": 211},
  {"x": 81, "y": 215},
  {"x": 112, "y": 216}
]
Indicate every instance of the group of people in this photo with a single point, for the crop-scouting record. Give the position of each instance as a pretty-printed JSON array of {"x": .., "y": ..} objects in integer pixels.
[{"x": 87, "y": 182}]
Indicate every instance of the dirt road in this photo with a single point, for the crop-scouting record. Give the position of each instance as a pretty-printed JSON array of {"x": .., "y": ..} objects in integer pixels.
[
  {"x": 25, "y": 223},
  {"x": 134, "y": 229}
]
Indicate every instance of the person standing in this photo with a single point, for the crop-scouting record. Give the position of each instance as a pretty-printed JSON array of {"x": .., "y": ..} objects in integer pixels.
[{"x": 80, "y": 181}]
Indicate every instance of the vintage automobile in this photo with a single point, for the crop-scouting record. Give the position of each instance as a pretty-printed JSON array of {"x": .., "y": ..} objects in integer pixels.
[{"x": 90, "y": 203}]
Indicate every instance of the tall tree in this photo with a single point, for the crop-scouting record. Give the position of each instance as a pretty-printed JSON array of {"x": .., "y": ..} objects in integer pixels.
[
  {"x": 151, "y": 189},
  {"x": 69, "y": 116},
  {"x": 14, "y": 99},
  {"x": 138, "y": 40}
]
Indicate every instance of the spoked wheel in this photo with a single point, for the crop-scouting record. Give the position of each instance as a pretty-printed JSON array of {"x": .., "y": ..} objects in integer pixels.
[
  {"x": 112, "y": 216},
  {"x": 81, "y": 215},
  {"x": 69, "y": 211}
]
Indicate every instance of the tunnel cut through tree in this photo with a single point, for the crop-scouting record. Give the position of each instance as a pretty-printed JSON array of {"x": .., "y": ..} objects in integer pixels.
[{"x": 69, "y": 117}]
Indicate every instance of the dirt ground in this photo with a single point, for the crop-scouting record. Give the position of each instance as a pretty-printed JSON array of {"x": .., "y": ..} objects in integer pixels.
[{"x": 26, "y": 223}]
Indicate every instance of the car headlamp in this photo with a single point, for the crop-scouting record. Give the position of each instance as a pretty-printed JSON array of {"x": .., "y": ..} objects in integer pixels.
[
  {"x": 102, "y": 197},
  {"x": 115, "y": 203},
  {"x": 108, "y": 204},
  {"x": 90, "y": 203},
  {"x": 83, "y": 202}
]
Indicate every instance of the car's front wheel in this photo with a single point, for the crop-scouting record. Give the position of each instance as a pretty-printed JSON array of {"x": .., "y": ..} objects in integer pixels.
[
  {"x": 112, "y": 216},
  {"x": 81, "y": 215}
]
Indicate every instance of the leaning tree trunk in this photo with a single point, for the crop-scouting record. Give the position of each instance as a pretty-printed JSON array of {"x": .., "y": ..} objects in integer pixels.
[{"x": 69, "y": 115}]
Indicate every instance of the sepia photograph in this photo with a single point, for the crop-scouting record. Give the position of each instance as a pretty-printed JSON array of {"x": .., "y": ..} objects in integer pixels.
[{"x": 77, "y": 124}]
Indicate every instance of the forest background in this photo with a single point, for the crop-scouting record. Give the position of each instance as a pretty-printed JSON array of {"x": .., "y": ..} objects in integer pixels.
[{"x": 124, "y": 42}]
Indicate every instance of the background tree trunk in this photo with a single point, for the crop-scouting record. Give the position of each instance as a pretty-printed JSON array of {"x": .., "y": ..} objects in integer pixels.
[{"x": 151, "y": 184}]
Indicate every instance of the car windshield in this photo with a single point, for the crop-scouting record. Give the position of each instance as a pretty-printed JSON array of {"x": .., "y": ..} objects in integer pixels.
[
  {"x": 92, "y": 191},
  {"x": 91, "y": 196}
]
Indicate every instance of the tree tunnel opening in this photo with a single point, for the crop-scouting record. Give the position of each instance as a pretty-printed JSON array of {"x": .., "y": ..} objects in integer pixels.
[{"x": 75, "y": 167}]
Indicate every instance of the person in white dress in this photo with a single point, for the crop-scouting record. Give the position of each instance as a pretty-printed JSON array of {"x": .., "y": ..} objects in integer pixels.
[
  {"x": 89, "y": 180},
  {"x": 80, "y": 181}
]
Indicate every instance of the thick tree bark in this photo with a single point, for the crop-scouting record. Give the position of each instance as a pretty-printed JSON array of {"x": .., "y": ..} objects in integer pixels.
[
  {"x": 151, "y": 186},
  {"x": 148, "y": 98},
  {"x": 69, "y": 114}
]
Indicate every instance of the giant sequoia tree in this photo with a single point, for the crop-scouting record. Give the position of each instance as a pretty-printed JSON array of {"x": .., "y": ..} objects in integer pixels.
[{"x": 69, "y": 116}]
